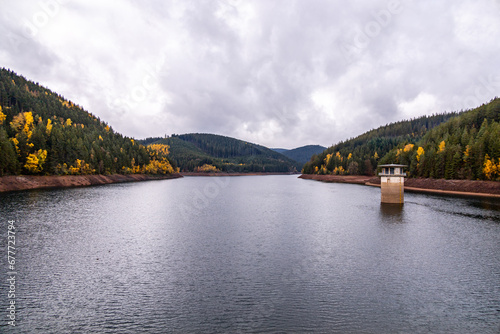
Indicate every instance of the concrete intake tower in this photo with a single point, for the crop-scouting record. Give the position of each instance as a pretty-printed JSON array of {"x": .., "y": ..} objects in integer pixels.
[{"x": 392, "y": 183}]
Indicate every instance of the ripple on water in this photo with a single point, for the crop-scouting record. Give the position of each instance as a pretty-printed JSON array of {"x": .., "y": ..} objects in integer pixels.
[{"x": 257, "y": 254}]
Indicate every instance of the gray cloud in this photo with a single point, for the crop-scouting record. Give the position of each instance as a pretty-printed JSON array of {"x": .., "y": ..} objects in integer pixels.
[{"x": 278, "y": 73}]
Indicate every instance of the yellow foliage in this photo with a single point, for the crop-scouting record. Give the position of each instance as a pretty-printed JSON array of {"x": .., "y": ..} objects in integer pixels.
[
  {"x": 408, "y": 147},
  {"x": 35, "y": 161},
  {"x": 328, "y": 157},
  {"x": 107, "y": 128},
  {"x": 100, "y": 138},
  {"x": 29, "y": 124},
  {"x": 159, "y": 164},
  {"x": 17, "y": 122},
  {"x": 133, "y": 142},
  {"x": 158, "y": 167},
  {"x": 81, "y": 168},
  {"x": 158, "y": 148},
  {"x": 442, "y": 146},
  {"x": 31, "y": 163},
  {"x": 338, "y": 156},
  {"x": 339, "y": 170},
  {"x": 316, "y": 169},
  {"x": 375, "y": 156},
  {"x": 490, "y": 170},
  {"x": 23, "y": 122},
  {"x": 67, "y": 104},
  {"x": 135, "y": 169},
  {"x": 2, "y": 115},
  {"x": 68, "y": 122},
  {"x": 61, "y": 169},
  {"x": 49, "y": 126},
  {"x": 420, "y": 152},
  {"x": 349, "y": 156},
  {"x": 206, "y": 168},
  {"x": 466, "y": 153}
]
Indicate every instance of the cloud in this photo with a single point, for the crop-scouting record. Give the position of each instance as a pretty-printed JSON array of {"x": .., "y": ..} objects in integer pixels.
[{"x": 278, "y": 73}]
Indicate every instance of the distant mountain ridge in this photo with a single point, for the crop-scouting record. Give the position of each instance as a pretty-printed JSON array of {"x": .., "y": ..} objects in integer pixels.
[
  {"x": 209, "y": 152},
  {"x": 301, "y": 154}
]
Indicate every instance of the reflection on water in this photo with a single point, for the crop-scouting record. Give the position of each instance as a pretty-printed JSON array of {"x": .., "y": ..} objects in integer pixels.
[
  {"x": 252, "y": 254},
  {"x": 487, "y": 204},
  {"x": 392, "y": 212}
]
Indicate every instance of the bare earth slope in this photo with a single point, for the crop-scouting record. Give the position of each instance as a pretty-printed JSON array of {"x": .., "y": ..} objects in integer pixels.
[
  {"x": 24, "y": 182},
  {"x": 453, "y": 187}
]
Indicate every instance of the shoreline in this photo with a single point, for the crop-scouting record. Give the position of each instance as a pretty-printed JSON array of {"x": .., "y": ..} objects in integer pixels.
[
  {"x": 28, "y": 182},
  {"x": 467, "y": 188},
  {"x": 233, "y": 174}
]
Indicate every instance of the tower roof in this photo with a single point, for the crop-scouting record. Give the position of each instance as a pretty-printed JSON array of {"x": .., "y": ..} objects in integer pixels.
[{"x": 392, "y": 165}]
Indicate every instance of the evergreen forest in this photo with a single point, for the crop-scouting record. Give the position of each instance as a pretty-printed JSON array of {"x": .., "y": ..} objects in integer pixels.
[
  {"x": 199, "y": 152},
  {"x": 464, "y": 145},
  {"x": 42, "y": 133}
]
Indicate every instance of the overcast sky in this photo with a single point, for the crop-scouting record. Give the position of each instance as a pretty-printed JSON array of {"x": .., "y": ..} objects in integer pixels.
[{"x": 277, "y": 73}]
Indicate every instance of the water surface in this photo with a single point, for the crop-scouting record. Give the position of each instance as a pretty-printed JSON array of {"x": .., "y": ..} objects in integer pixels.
[{"x": 251, "y": 254}]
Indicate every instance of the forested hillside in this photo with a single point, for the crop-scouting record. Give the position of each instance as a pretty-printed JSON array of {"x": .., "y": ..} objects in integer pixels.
[
  {"x": 451, "y": 146},
  {"x": 360, "y": 155},
  {"x": 465, "y": 147},
  {"x": 43, "y": 133},
  {"x": 212, "y": 153}
]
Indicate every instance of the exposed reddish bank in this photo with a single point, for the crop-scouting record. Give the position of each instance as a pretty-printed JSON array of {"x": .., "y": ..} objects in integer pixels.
[
  {"x": 25, "y": 182},
  {"x": 441, "y": 186},
  {"x": 355, "y": 179}
]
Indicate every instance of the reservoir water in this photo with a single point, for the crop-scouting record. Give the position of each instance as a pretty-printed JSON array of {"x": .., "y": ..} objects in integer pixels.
[{"x": 251, "y": 254}]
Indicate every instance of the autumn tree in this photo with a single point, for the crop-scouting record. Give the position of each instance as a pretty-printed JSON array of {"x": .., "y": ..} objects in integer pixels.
[{"x": 35, "y": 161}]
